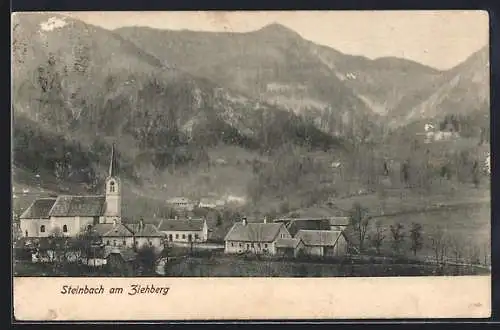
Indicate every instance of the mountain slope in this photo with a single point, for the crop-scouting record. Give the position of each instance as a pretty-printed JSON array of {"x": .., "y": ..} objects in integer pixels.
[
  {"x": 278, "y": 65},
  {"x": 462, "y": 90},
  {"x": 86, "y": 86}
]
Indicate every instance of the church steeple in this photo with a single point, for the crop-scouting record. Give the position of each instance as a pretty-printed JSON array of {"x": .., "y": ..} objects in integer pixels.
[
  {"x": 113, "y": 191},
  {"x": 112, "y": 163}
]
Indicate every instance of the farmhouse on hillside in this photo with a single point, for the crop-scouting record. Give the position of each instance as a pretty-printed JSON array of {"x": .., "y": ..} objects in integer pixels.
[
  {"x": 71, "y": 214},
  {"x": 323, "y": 243},
  {"x": 184, "y": 231},
  {"x": 181, "y": 203},
  {"x": 257, "y": 238}
]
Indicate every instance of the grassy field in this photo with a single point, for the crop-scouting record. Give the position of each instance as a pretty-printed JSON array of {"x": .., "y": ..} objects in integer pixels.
[{"x": 236, "y": 267}]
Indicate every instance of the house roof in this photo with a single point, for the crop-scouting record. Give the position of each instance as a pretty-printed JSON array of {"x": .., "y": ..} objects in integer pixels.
[
  {"x": 181, "y": 225},
  {"x": 319, "y": 237},
  {"x": 126, "y": 254},
  {"x": 149, "y": 230},
  {"x": 308, "y": 224},
  {"x": 253, "y": 232},
  {"x": 287, "y": 242},
  {"x": 39, "y": 209},
  {"x": 112, "y": 230},
  {"x": 69, "y": 206}
]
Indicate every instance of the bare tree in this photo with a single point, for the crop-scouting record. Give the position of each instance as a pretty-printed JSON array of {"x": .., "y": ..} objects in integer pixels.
[
  {"x": 398, "y": 236},
  {"x": 438, "y": 244},
  {"x": 378, "y": 236},
  {"x": 416, "y": 238},
  {"x": 359, "y": 221}
]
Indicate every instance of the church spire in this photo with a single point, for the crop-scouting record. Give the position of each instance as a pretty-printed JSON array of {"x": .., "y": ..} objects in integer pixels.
[{"x": 112, "y": 163}]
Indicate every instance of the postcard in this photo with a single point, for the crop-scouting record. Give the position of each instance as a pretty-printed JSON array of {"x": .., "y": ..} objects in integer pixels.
[{"x": 250, "y": 165}]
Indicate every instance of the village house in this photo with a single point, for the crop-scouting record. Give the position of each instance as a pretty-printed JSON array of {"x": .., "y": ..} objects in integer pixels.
[
  {"x": 70, "y": 215},
  {"x": 115, "y": 235},
  {"x": 289, "y": 247},
  {"x": 255, "y": 237},
  {"x": 323, "y": 243},
  {"x": 181, "y": 203},
  {"x": 184, "y": 230},
  {"x": 327, "y": 223},
  {"x": 146, "y": 234}
]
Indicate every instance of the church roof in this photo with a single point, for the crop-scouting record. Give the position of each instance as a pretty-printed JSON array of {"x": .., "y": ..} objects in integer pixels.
[
  {"x": 39, "y": 209},
  {"x": 70, "y": 206},
  {"x": 181, "y": 225}
]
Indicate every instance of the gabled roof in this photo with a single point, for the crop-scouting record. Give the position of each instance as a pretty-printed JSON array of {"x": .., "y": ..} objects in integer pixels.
[
  {"x": 254, "y": 232},
  {"x": 39, "y": 209},
  {"x": 112, "y": 230},
  {"x": 126, "y": 254},
  {"x": 149, "y": 230},
  {"x": 308, "y": 224},
  {"x": 287, "y": 242},
  {"x": 319, "y": 237},
  {"x": 70, "y": 206},
  {"x": 181, "y": 225}
]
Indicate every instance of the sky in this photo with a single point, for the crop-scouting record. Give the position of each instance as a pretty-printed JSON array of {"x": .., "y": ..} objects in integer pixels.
[{"x": 440, "y": 39}]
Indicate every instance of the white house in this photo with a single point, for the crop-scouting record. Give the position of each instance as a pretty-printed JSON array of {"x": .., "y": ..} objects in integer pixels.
[
  {"x": 181, "y": 203},
  {"x": 184, "y": 231},
  {"x": 71, "y": 214},
  {"x": 323, "y": 243},
  {"x": 257, "y": 238}
]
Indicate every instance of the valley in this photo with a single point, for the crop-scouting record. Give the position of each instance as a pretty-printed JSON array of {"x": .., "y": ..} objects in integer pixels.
[{"x": 284, "y": 124}]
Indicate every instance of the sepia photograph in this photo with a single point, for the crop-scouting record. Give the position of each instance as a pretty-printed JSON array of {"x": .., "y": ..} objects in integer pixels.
[
  {"x": 250, "y": 144},
  {"x": 295, "y": 165}
]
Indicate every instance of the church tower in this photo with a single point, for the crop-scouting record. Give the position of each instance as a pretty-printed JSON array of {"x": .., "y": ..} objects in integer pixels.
[{"x": 113, "y": 212}]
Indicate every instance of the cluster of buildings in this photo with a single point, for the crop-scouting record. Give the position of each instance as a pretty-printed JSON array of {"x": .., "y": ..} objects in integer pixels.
[
  {"x": 70, "y": 216},
  {"x": 291, "y": 237}
]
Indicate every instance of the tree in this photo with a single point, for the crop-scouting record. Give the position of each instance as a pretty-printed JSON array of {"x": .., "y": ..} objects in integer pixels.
[
  {"x": 405, "y": 172},
  {"x": 378, "y": 236},
  {"x": 438, "y": 244},
  {"x": 416, "y": 238},
  {"x": 358, "y": 220},
  {"x": 398, "y": 236}
]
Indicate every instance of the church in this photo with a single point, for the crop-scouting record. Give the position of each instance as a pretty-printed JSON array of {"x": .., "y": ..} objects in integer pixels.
[{"x": 71, "y": 215}]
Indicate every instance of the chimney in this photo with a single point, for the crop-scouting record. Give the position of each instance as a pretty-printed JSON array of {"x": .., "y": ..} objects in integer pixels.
[
  {"x": 141, "y": 224},
  {"x": 244, "y": 221},
  {"x": 265, "y": 219}
]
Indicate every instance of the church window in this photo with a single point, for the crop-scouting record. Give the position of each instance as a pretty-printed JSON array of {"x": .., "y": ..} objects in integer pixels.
[
  {"x": 65, "y": 229},
  {"x": 124, "y": 242},
  {"x": 183, "y": 236},
  {"x": 107, "y": 242},
  {"x": 150, "y": 243},
  {"x": 112, "y": 186},
  {"x": 170, "y": 237},
  {"x": 176, "y": 236},
  {"x": 26, "y": 233},
  {"x": 42, "y": 229}
]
